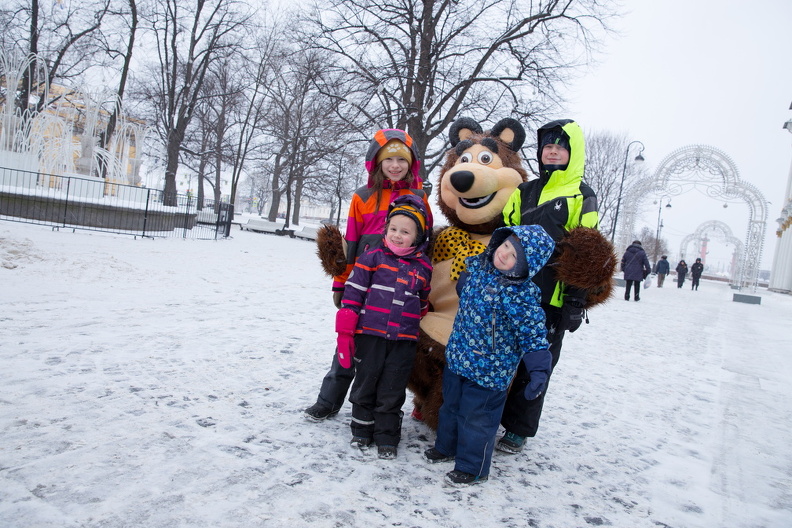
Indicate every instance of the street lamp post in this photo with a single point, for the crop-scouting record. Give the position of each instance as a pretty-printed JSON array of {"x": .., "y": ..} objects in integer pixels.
[
  {"x": 639, "y": 159},
  {"x": 659, "y": 229}
]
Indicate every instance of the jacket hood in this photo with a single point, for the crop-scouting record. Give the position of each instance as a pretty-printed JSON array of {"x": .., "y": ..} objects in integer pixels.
[
  {"x": 416, "y": 202},
  {"x": 536, "y": 243},
  {"x": 382, "y": 137},
  {"x": 572, "y": 176}
]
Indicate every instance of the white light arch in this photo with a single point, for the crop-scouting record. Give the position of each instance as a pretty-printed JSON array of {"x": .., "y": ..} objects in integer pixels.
[
  {"x": 709, "y": 170},
  {"x": 725, "y": 235}
]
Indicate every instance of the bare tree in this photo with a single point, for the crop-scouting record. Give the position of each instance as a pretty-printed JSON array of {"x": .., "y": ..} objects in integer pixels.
[
  {"x": 248, "y": 117},
  {"x": 342, "y": 174},
  {"x": 605, "y": 167},
  {"x": 305, "y": 127},
  {"x": 418, "y": 65},
  {"x": 188, "y": 37},
  {"x": 63, "y": 35},
  {"x": 197, "y": 154},
  {"x": 126, "y": 55}
]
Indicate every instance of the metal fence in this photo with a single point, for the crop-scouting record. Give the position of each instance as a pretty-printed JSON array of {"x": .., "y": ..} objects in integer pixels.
[{"x": 98, "y": 205}]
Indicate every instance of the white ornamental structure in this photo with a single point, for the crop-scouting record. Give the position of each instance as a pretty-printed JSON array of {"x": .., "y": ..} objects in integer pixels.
[{"x": 781, "y": 276}]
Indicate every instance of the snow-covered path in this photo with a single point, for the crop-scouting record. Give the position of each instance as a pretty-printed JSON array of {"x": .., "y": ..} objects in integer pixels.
[{"x": 157, "y": 383}]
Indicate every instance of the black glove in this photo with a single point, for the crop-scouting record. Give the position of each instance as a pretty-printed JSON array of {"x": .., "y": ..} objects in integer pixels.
[
  {"x": 646, "y": 273},
  {"x": 572, "y": 314},
  {"x": 337, "y": 295}
]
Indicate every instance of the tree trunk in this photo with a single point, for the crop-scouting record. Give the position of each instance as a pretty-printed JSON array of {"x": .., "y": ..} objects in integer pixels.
[
  {"x": 107, "y": 135},
  {"x": 169, "y": 193},
  {"x": 274, "y": 206},
  {"x": 23, "y": 99}
]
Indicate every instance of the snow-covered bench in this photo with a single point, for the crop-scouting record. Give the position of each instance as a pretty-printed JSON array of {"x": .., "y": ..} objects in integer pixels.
[
  {"x": 206, "y": 216},
  {"x": 307, "y": 233},
  {"x": 209, "y": 217},
  {"x": 261, "y": 226},
  {"x": 265, "y": 226}
]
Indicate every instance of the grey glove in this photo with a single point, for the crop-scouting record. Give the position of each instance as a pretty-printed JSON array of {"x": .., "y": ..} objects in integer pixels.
[{"x": 337, "y": 295}]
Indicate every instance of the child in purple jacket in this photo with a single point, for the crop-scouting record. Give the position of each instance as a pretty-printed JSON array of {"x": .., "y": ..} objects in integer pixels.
[{"x": 384, "y": 299}]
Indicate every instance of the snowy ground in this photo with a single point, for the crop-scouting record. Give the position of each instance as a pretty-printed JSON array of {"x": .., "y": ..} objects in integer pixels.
[{"x": 160, "y": 383}]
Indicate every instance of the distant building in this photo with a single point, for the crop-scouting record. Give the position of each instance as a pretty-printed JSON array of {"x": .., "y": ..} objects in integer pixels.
[{"x": 781, "y": 276}]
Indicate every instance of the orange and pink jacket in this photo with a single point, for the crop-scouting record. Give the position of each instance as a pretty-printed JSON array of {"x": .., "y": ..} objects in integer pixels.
[{"x": 367, "y": 215}]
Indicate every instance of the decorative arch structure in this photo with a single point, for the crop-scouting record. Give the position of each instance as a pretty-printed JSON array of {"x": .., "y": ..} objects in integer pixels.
[
  {"x": 709, "y": 170},
  {"x": 719, "y": 228}
]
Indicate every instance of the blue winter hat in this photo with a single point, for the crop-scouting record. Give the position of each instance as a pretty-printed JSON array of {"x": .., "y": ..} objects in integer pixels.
[{"x": 520, "y": 268}]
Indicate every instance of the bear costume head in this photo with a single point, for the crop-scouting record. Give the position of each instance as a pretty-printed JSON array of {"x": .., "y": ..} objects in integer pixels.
[{"x": 480, "y": 173}]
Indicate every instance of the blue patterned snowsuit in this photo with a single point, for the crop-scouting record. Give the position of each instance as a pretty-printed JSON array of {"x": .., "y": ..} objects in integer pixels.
[{"x": 499, "y": 321}]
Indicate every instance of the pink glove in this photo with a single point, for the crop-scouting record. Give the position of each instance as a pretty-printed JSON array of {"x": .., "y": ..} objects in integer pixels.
[{"x": 346, "y": 323}]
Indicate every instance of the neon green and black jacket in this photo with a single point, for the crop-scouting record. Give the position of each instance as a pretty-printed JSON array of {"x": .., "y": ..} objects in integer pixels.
[{"x": 558, "y": 201}]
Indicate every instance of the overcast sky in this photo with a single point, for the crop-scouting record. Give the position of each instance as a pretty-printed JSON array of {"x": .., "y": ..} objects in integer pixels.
[{"x": 685, "y": 72}]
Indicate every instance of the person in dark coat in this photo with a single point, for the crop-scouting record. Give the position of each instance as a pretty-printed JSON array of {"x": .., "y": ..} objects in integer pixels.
[
  {"x": 635, "y": 265},
  {"x": 663, "y": 268},
  {"x": 681, "y": 270},
  {"x": 695, "y": 273}
]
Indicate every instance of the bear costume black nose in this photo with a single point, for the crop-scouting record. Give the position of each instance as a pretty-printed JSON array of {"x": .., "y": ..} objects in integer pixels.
[{"x": 462, "y": 181}]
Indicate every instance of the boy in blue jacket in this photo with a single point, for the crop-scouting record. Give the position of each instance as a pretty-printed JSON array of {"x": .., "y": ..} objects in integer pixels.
[{"x": 500, "y": 322}]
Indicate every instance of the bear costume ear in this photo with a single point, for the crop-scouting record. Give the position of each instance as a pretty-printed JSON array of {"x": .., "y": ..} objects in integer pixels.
[
  {"x": 462, "y": 129},
  {"x": 510, "y": 132}
]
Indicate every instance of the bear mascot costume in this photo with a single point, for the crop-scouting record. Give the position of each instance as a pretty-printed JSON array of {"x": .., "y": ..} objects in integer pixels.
[{"x": 481, "y": 171}]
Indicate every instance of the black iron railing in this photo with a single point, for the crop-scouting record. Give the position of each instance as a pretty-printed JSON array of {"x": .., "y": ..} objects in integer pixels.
[{"x": 98, "y": 205}]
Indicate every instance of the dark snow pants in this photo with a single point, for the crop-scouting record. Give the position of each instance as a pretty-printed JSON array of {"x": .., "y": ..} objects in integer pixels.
[
  {"x": 521, "y": 416},
  {"x": 468, "y": 423},
  {"x": 383, "y": 367},
  {"x": 630, "y": 284},
  {"x": 335, "y": 385}
]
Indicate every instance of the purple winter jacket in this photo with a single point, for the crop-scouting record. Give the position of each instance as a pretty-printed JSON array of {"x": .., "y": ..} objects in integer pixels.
[
  {"x": 390, "y": 293},
  {"x": 635, "y": 264}
]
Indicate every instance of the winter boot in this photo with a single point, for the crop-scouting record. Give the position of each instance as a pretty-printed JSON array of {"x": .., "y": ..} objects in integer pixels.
[
  {"x": 460, "y": 479},
  {"x": 386, "y": 452},
  {"x": 318, "y": 412},
  {"x": 434, "y": 456},
  {"x": 511, "y": 443},
  {"x": 361, "y": 442}
]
